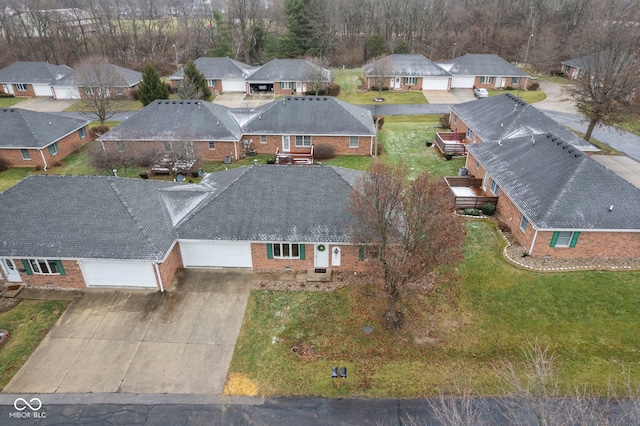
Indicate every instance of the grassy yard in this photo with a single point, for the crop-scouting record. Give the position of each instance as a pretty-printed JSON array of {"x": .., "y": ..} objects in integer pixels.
[
  {"x": 10, "y": 177},
  {"x": 556, "y": 79},
  {"x": 350, "y": 79},
  {"x": 129, "y": 105},
  {"x": 526, "y": 95},
  {"x": 290, "y": 340},
  {"x": 27, "y": 323},
  {"x": 7, "y": 102}
]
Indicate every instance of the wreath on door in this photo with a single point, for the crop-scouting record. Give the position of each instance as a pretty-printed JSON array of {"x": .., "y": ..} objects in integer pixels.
[{"x": 321, "y": 247}]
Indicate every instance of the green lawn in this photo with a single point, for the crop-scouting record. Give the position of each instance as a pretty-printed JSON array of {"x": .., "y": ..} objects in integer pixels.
[
  {"x": 555, "y": 79},
  {"x": 27, "y": 323},
  {"x": 526, "y": 95},
  {"x": 10, "y": 177},
  {"x": 590, "y": 319},
  {"x": 350, "y": 79},
  {"x": 7, "y": 102}
]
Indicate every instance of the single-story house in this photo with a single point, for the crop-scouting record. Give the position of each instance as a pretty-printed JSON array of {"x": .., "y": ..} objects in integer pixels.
[
  {"x": 407, "y": 72},
  {"x": 500, "y": 117},
  {"x": 576, "y": 68},
  {"x": 557, "y": 201},
  {"x": 87, "y": 79},
  {"x": 31, "y": 78},
  {"x": 38, "y": 139},
  {"x": 484, "y": 70},
  {"x": 286, "y": 77},
  {"x": 103, "y": 231},
  {"x": 289, "y": 127},
  {"x": 222, "y": 74}
]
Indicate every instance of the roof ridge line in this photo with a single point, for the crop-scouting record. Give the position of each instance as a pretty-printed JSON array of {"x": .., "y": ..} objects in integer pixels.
[{"x": 28, "y": 125}]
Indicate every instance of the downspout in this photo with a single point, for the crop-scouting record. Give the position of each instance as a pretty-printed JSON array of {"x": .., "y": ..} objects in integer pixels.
[
  {"x": 235, "y": 150},
  {"x": 43, "y": 160},
  {"x": 533, "y": 242},
  {"x": 159, "y": 277}
]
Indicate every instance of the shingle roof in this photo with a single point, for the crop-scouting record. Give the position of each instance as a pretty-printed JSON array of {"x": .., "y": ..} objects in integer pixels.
[
  {"x": 558, "y": 187},
  {"x": 30, "y": 129},
  {"x": 85, "y": 217},
  {"x": 273, "y": 203},
  {"x": 307, "y": 115},
  {"x": 218, "y": 68},
  {"x": 99, "y": 74},
  {"x": 287, "y": 70},
  {"x": 481, "y": 64},
  {"x": 506, "y": 116},
  {"x": 178, "y": 120},
  {"x": 33, "y": 72},
  {"x": 408, "y": 66}
]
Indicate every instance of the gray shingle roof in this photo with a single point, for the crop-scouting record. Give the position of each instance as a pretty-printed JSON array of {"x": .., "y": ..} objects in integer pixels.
[
  {"x": 85, "y": 217},
  {"x": 114, "y": 75},
  {"x": 481, "y": 64},
  {"x": 33, "y": 72},
  {"x": 558, "y": 187},
  {"x": 409, "y": 66},
  {"x": 218, "y": 68},
  {"x": 307, "y": 115},
  {"x": 274, "y": 203},
  {"x": 178, "y": 120},
  {"x": 286, "y": 70},
  {"x": 506, "y": 116},
  {"x": 30, "y": 129}
]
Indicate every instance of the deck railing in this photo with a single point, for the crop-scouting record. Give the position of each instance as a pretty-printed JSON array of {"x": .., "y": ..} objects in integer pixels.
[
  {"x": 466, "y": 202},
  {"x": 451, "y": 142},
  {"x": 297, "y": 156}
]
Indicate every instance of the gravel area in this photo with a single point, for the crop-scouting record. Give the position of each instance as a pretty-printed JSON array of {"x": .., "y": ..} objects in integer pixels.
[
  {"x": 297, "y": 282},
  {"x": 7, "y": 303}
]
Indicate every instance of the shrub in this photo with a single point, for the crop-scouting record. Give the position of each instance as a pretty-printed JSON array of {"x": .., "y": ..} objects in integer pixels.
[
  {"x": 510, "y": 88},
  {"x": 534, "y": 86},
  {"x": 333, "y": 89},
  {"x": 378, "y": 119},
  {"x": 488, "y": 209},
  {"x": 144, "y": 175},
  {"x": 133, "y": 93},
  {"x": 100, "y": 130},
  {"x": 37, "y": 168},
  {"x": 503, "y": 227},
  {"x": 6, "y": 95},
  {"x": 444, "y": 121},
  {"x": 271, "y": 161},
  {"x": 376, "y": 88},
  {"x": 323, "y": 151},
  {"x": 471, "y": 212},
  {"x": 3, "y": 165},
  {"x": 194, "y": 173},
  {"x": 320, "y": 92}
]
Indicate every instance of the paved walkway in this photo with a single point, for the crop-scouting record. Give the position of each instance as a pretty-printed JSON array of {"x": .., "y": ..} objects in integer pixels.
[{"x": 180, "y": 341}]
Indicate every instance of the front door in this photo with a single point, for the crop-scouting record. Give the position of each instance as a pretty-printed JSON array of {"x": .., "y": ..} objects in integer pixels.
[
  {"x": 321, "y": 257},
  {"x": 10, "y": 270},
  {"x": 286, "y": 143},
  {"x": 503, "y": 82}
]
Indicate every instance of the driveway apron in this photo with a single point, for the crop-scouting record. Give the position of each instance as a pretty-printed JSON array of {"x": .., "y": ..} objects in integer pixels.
[{"x": 180, "y": 341}]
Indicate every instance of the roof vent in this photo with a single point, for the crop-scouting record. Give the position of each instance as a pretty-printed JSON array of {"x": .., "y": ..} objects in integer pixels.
[
  {"x": 174, "y": 102},
  {"x": 181, "y": 102},
  {"x": 611, "y": 207},
  {"x": 188, "y": 102},
  {"x": 49, "y": 123},
  {"x": 259, "y": 117},
  {"x": 217, "y": 123},
  {"x": 501, "y": 125}
]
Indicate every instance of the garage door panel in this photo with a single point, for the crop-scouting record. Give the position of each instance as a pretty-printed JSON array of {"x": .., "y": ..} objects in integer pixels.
[
  {"x": 435, "y": 83},
  {"x": 462, "y": 82},
  {"x": 40, "y": 90},
  {"x": 219, "y": 254},
  {"x": 118, "y": 274},
  {"x": 229, "y": 85}
]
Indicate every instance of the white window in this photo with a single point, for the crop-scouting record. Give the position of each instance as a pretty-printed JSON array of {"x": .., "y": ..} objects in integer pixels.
[
  {"x": 523, "y": 223},
  {"x": 263, "y": 138},
  {"x": 53, "y": 149},
  {"x": 42, "y": 266},
  {"x": 303, "y": 140},
  {"x": 515, "y": 80},
  {"x": 487, "y": 80},
  {"x": 286, "y": 251},
  {"x": 120, "y": 146},
  {"x": 21, "y": 87},
  {"x": 354, "y": 141},
  {"x": 26, "y": 155},
  {"x": 89, "y": 91},
  {"x": 410, "y": 80},
  {"x": 469, "y": 133},
  {"x": 211, "y": 82},
  {"x": 212, "y": 145},
  {"x": 287, "y": 85},
  {"x": 494, "y": 187},
  {"x": 485, "y": 180},
  {"x": 564, "y": 239},
  {"x": 82, "y": 132}
]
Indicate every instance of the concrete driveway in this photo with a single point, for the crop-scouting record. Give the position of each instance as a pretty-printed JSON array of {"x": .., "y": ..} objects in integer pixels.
[
  {"x": 180, "y": 341},
  {"x": 624, "y": 167},
  {"x": 241, "y": 100},
  {"x": 440, "y": 97},
  {"x": 45, "y": 104},
  {"x": 463, "y": 95}
]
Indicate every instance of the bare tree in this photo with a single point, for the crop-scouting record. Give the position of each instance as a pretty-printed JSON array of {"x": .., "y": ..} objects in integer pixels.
[
  {"x": 380, "y": 69},
  {"x": 459, "y": 408},
  {"x": 317, "y": 75}
]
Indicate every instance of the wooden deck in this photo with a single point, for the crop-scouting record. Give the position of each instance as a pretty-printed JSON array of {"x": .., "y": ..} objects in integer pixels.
[
  {"x": 467, "y": 192},
  {"x": 451, "y": 142}
]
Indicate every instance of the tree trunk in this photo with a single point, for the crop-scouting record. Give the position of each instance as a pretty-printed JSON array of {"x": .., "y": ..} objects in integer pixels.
[{"x": 592, "y": 125}]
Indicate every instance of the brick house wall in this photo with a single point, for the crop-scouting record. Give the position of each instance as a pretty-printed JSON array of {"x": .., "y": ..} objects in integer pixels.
[
  {"x": 340, "y": 144},
  {"x": 66, "y": 146},
  {"x": 170, "y": 266},
  {"x": 456, "y": 124},
  {"x": 371, "y": 81},
  {"x": 201, "y": 149},
  {"x": 115, "y": 91},
  {"x": 349, "y": 259},
  {"x": 29, "y": 92},
  {"x": 498, "y": 80},
  {"x": 72, "y": 279}
]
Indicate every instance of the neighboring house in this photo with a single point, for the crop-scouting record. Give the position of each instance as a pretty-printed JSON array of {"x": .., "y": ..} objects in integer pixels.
[
  {"x": 596, "y": 62},
  {"x": 32, "y": 139},
  {"x": 31, "y": 78},
  {"x": 500, "y": 117},
  {"x": 286, "y": 77},
  {"x": 291, "y": 127},
  {"x": 484, "y": 70},
  {"x": 557, "y": 201},
  {"x": 48, "y": 22},
  {"x": 88, "y": 79},
  {"x": 407, "y": 72},
  {"x": 101, "y": 231},
  {"x": 222, "y": 74}
]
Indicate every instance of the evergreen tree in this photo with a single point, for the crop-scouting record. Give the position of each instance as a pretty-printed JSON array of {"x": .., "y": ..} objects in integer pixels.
[
  {"x": 307, "y": 25},
  {"x": 194, "y": 80},
  {"x": 151, "y": 87}
]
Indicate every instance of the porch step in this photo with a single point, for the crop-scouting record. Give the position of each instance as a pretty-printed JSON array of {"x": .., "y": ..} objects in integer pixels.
[{"x": 313, "y": 276}]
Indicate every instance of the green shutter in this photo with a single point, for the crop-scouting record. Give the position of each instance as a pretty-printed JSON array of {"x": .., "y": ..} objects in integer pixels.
[
  {"x": 281, "y": 85},
  {"x": 554, "y": 239},
  {"x": 27, "y": 266},
  {"x": 60, "y": 268},
  {"x": 269, "y": 251},
  {"x": 361, "y": 253},
  {"x": 574, "y": 239},
  {"x": 301, "y": 251}
]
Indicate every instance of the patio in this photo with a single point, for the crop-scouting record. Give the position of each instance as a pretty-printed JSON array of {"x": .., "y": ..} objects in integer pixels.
[
  {"x": 467, "y": 192},
  {"x": 451, "y": 142}
]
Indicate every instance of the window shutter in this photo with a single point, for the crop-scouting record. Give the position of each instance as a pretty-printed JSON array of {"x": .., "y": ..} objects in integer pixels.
[
  {"x": 554, "y": 239},
  {"x": 281, "y": 85},
  {"x": 361, "y": 253},
  {"x": 60, "y": 268},
  {"x": 269, "y": 251},
  {"x": 27, "y": 266},
  {"x": 301, "y": 251},
  {"x": 574, "y": 239}
]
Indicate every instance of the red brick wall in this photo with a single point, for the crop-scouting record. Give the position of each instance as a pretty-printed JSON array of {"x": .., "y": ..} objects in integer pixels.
[
  {"x": 462, "y": 128},
  {"x": 28, "y": 92},
  {"x": 72, "y": 279},
  {"x": 120, "y": 91},
  {"x": 497, "y": 82},
  {"x": 66, "y": 146},
  {"x": 349, "y": 259},
  {"x": 170, "y": 266},
  {"x": 371, "y": 81},
  {"x": 339, "y": 143},
  {"x": 200, "y": 149}
]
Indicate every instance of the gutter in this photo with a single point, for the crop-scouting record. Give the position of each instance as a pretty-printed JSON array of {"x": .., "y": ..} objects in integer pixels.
[
  {"x": 533, "y": 242},
  {"x": 43, "y": 160},
  {"x": 155, "y": 265}
]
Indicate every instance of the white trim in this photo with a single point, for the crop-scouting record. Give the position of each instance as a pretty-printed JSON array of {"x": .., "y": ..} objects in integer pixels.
[{"x": 158, "y": 277}]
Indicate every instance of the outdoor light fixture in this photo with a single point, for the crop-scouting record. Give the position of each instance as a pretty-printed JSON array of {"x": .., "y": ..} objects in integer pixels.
[{"x": 335, "y": 375}]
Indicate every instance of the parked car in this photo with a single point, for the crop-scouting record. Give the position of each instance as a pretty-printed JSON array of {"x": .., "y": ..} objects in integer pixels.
[{"x": 481, "y": 93}]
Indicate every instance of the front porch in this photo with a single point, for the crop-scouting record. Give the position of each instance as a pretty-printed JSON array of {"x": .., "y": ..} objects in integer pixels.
[
  {"x": 467, "y": 192},
  {"x": 298, "y": 155},
  {"x": 452, "y": 142}
]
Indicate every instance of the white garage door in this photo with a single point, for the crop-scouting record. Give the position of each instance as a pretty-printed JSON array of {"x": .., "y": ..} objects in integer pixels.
[
  {"x": 432, "y": 83},
  {"x": 221, "y": 254},
  {"x": 233, "y": 85},
  {"x": 42, "y": 90},
  {"x": 463, "y": 82},
  {"x": 66, "y": 92},
  {"x": 117, "y": 273}
]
